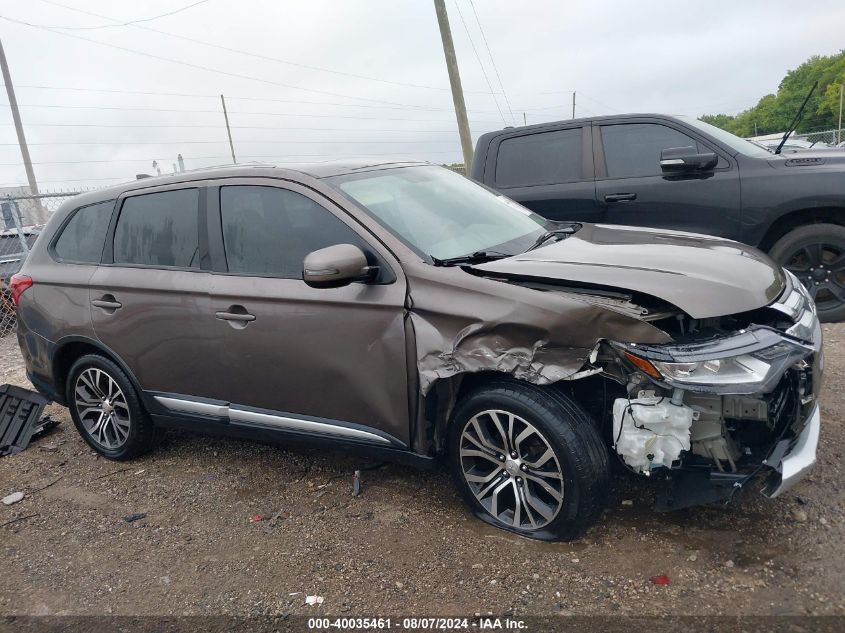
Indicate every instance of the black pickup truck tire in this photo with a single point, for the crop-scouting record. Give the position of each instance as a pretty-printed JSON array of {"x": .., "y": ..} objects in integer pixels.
[{"x": 816, "y": 255}]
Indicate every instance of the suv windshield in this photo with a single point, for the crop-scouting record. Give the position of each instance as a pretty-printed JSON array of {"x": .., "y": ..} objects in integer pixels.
[
  {"x": 741, "y": 145},
  {"x": 442, "y": 214}
]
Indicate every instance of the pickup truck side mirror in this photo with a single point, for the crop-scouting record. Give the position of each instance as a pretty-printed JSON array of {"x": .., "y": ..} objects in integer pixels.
[
  {"x": 336, "y": 266},
  {"x": 679, "y": 159}
]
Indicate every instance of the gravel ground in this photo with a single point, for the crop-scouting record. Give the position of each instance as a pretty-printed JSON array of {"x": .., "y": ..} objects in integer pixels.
[{"x": 405, "y": 546}]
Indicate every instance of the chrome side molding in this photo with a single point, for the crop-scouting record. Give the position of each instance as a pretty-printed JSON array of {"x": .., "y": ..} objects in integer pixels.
[
  {"x": 191, "y": 406},
  {"x": 253, "y": 418},
  {"x": 246, "y": 417}
]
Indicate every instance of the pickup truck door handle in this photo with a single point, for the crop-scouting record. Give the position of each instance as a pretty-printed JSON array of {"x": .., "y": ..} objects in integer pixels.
[
  {"x": 620, "y": 197},
  {"x": 107, "y": 303}
]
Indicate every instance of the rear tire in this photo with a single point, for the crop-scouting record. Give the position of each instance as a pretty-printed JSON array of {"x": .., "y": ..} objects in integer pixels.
[
  {"x": 106, "y": 410},
  {"x": 554, "y": 495},
  {"x": 816, "y": 255}
]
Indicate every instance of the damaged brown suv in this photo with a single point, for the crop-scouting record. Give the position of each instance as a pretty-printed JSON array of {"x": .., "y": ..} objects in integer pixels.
[{"x": 407, "y": 313}]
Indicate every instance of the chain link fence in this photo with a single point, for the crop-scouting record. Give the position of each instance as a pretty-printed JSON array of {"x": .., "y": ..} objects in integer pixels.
[
  {"x": 21, "y": 218},
  {"x": 822, "y": 137},
  {"x": 805, "y": 140}
]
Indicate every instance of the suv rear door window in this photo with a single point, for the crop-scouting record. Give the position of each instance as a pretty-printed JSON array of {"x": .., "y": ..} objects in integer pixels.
[
  {"x": 269, "y": 230},
  {"x": 539, "y": 159},
  {"x": 632, "y": 150},
  {"x": 159, "y": 229},
  {"x": 83, "y": 236}
]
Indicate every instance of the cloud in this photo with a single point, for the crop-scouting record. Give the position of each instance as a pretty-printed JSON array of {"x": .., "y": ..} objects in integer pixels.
[{"x": 619, "y": 56}]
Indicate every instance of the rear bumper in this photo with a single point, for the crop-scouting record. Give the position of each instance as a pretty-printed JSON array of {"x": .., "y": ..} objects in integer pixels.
[{"x": 798, "y": 461}]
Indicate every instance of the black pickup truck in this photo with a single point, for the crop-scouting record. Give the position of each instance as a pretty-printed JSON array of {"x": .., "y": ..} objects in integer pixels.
[{"x": 675, "y": 172}]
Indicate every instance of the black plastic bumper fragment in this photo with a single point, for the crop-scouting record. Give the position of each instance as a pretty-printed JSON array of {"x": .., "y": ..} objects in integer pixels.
[
  {"x": 20, "y": 418},
  {"x": 695, "y": 487}
]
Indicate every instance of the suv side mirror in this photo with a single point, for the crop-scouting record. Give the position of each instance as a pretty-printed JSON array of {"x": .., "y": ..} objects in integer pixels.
[
  {"x": 336, "y": 266},
  {"x": 675, "y": 159}
]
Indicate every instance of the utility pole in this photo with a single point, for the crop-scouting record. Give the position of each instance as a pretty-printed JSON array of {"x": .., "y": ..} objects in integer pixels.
[
  {"x": 524, "y": 119},
  {"x": 573, "y": 104},
  {"x": 839, "y": 132},
  {"x": 455, "y": 82},
  {"x": 16, "y": 117},
  {"x": 228, "y": 130},
  {"x": 181, "y": 162}
]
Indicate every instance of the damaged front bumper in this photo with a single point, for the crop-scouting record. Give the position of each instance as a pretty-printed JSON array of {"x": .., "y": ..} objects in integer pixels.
[
  {"x": 722, "y": 430},
  {"x": 798, "y": 460}
]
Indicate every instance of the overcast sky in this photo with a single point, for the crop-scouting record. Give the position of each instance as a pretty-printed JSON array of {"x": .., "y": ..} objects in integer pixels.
[{"x": 337, "y": 78}]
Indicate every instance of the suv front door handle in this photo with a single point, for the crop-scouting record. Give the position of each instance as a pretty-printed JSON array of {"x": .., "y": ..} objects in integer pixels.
[
  {"x": 236, "y": 316},
  {"x": 107, "y": 303},
  {"x": 620, "y": 197}
]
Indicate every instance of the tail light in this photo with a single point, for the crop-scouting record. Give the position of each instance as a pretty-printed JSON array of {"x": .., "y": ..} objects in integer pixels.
[{"x": 17, "y": 285}]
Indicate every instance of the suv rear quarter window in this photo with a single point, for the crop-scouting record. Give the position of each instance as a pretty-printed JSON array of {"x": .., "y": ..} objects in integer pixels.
[
  {"x": 82, "y": 238},
  {"x": 159, "y": 229},
  {"x": 539, "y": 159}
]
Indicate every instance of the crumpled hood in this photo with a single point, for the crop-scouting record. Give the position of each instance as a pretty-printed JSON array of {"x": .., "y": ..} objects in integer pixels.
[{"x": 703, "y": 276}]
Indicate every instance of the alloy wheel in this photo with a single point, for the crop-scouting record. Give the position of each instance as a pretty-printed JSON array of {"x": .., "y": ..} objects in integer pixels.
[
  {"x": 102, "y": 408},
  {"x": 821, "y": 268},
  {"x": 511, "y": 469}
]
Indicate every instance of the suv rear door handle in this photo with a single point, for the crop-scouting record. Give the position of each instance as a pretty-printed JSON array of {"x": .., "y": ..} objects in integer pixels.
[
  {"x": 107, "y": 302},
  {"x": 620, "y": 197}
]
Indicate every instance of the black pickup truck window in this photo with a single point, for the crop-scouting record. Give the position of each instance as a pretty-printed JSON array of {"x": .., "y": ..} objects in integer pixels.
[
  {"x": 539, "y": 159},
  {"x": 633, "y": 150}
]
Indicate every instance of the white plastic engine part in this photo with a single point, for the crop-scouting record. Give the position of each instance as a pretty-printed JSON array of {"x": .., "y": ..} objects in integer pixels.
[{"x": 651, "y": 431}]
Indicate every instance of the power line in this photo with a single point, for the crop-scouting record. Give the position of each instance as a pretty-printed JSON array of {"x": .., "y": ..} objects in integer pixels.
[
  {"x": 275, "y": 156},
  {"x": 255, "y": 55},
  {"x": 478, "y": 57},
  {"x": 198, "y": 66},
  {"x": 131, "y": 22},
  {"x": 209, "y": 96},
  {"x": 234, "y": 127},
  {"x": 594, "y": 100},
  {"x": 262, "y": 141},
  {"x": 492, "y": 61},
  {"x": 144, "y": 109}
]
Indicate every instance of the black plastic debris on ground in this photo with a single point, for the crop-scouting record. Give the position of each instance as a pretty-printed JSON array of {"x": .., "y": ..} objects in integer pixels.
[
  {"x": 20, "y": 418},
  {"x": 135, "y": 517}
]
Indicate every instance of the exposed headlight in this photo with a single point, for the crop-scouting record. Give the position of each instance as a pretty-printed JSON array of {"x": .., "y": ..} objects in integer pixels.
[
  {"x": 750, "y": 361},
  {"x": 799, "y": 306},
  {"x": 718, "y": 371}
]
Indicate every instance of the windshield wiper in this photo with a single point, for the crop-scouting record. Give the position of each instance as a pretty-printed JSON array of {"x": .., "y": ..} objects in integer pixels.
[
  {"x": 473, "y": 258},
  {"x": 545, "y": 237},
  {"x": 792, "y": 126}
]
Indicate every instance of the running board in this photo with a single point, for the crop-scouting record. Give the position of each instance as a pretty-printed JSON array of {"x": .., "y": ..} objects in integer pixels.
[{"x": 241, "y": 416}]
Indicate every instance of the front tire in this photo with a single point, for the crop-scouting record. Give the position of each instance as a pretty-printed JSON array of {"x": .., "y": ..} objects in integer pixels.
[
  {"x": 106, "y": 410},
  {"x": 816, "y": 255},
  {"x": 529, "y": 460}
]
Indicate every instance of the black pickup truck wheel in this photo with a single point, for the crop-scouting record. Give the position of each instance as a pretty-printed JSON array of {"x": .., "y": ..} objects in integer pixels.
[{"x": 816, "y": 255}]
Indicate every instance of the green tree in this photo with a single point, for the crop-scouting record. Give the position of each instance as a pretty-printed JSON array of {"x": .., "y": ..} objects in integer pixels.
[{"x": 774, "y": 112}]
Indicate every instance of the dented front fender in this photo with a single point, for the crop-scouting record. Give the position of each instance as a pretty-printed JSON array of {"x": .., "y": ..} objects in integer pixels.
[{"x": 464, "y": 324}]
